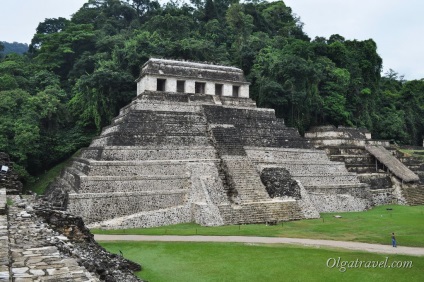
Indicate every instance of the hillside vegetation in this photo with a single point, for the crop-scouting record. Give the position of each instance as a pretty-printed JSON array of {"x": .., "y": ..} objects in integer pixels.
[
  {"x": 79, "y": 72},
  {"x": 14, "y": 47}
]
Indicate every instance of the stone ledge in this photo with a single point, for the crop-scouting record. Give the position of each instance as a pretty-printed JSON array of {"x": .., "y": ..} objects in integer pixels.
[
  {"x": 148, "y": 219},
  {"x": 3, "y": 201},
  {"x": 137, "y": 177},
  {"x": 338, "y": 186},
  {"x": 125, "y": 194},
  {"x": 143, "y": 162},
  {"x": 279, "y": 163},
  {"x": 297, "y": 150},
  {"x": 150, "y": 147}
]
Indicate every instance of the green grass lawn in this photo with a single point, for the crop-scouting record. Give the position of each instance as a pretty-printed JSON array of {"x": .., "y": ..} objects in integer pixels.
[
  {"x": 163, "y": 261},
  {"x": 373, "y": 226}
]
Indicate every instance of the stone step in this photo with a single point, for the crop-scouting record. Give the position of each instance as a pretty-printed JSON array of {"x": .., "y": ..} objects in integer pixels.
[
  {"x": 289, "y": 155},
  {"x": 338, "y": 186},
  {"x": 353, "y": 150},
  {"x": 353, "y": 160},
  {"x": 261, "y": 212},
  {"x": 245, "y": 180},
  {"x": 130, "y": 168},
  {"x": 327, "y": 180},
  {"x": 414, "y": 195},
  {"x": 132, "y": 153},
  {"x": 161, "y": 107},
  {"x": 149, "y": 115},
  {"x": 150, "y": 140},
  {"x": 361, "y": 168},
  {"x": 376, "y": 180},
  {"x": 158, "y": 128},
  {"x": 147, "y": 219},
  {"x": 71, "y": 176},
  {"x": 306, "y": 168},
  {"x": 96, "y": 207},
  {"x": 142, "y": 183}
]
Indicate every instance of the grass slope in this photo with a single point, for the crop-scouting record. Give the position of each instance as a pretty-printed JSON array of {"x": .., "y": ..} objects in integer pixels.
[
  {"x": 41, "y": 183},
  {"x": 246, "y": 262},
  {"x": 373, "y": 226}
]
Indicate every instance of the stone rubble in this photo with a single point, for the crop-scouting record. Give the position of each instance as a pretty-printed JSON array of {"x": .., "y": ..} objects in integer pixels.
[
  {"x": 40, "y": 244},
  {"x": 9, "y": 179}
]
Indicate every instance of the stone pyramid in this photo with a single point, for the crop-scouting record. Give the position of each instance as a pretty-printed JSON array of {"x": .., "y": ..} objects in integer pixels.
[{"x": 193, "y": 147}]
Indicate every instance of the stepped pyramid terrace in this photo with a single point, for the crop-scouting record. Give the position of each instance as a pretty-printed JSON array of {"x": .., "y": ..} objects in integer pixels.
[
  {"x": 193, "y": 147},
  {"x": 393, "y": 177}
]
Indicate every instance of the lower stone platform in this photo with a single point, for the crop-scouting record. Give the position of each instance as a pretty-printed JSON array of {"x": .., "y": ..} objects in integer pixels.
[
  {"x": 4, "y": 249},
  {"x": 262, "y": 212},
  {"x": 3, "y": 201},
  {"x": 39, "y": 244}
]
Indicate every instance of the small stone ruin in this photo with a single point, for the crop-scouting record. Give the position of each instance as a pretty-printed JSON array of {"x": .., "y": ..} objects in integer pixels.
[
  {"x": 392, "y": 176},
  {"x": 9, "y": 178}
]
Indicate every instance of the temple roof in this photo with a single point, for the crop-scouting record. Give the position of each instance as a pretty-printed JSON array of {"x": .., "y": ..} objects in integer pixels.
[{"x": 192, "y": 70}]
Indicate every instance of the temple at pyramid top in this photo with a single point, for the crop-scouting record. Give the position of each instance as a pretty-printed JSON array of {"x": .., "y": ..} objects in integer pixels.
[{"x": 194, "y": 78}]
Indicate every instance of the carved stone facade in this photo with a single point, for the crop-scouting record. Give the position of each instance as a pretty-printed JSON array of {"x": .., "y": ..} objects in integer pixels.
[
  {"x": 180, "y": 156},
  {"x": 188, "y": 77}
]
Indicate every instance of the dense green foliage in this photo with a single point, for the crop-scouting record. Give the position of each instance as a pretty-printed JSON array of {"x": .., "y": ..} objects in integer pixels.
[
  {"x": 194, "y": 261},
  {"x": 79, "y": 72},
  {"x": 14, "y": 47}
]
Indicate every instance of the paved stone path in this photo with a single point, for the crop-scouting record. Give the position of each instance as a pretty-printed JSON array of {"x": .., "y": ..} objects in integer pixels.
[
  {"x": 4, "y": 249},
  {"x": 40, "y": 244},
  {"x": 374, "y": 248},
  {"x": 34, "y": 256}
]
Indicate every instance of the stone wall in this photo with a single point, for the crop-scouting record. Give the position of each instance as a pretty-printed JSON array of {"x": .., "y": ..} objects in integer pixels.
[
  {"x": 102, "y": 206},
  {"x": 322, "y": 136},
  {"x": 340, "y": 198},
  {"x": 10, "y": 179},
  {"x": 383, "y": 197},
  {"x": 3, "y": 201},
  {"x": 376, "y": 180},
  {"x": 168, "y": 216},
  {"x": 43, "y": 244}
]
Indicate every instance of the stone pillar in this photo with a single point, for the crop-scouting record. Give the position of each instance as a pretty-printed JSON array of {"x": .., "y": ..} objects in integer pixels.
[
  {"x": 189, "y": 86},
  {"x": 149, "y": 83},
  {"x": 171, "y": 85},
  {"x": 227, "y": 90},
  {"x": 244, "y": 91},
  {"x": 210, "y": 88}
]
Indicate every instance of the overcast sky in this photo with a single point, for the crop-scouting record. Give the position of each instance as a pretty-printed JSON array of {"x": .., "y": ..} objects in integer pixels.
[
  {"x": 396, "y": 25},
  {"x": 20, "y": 18}
]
